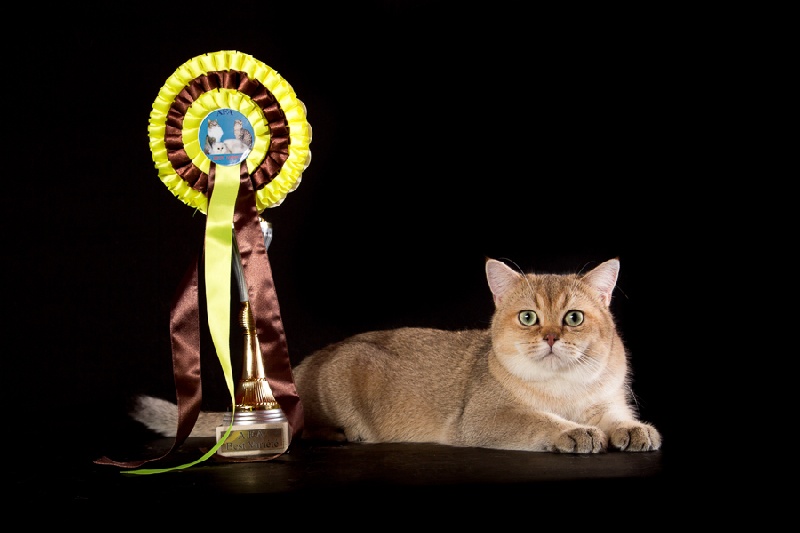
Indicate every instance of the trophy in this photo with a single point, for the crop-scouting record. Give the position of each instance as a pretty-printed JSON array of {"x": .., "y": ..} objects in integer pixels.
[{"x": 258, "y": 425}]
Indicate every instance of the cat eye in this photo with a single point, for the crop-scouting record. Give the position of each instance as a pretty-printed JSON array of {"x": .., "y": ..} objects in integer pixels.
[
  {"x": 528, "y": 318},
  {"x": 573, "y": 318}
]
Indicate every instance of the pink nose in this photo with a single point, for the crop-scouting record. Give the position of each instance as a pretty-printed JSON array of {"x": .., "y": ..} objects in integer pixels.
[{"x": 551, "y": 339}]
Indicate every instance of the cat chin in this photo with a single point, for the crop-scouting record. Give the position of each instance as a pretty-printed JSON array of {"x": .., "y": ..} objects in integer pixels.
[
  {"x": 539, "y": 367},
  {"x": 521, "y": 367}
]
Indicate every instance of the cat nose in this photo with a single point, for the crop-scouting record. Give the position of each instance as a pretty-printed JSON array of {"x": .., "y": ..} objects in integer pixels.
[{"x": 551, "y": 338}]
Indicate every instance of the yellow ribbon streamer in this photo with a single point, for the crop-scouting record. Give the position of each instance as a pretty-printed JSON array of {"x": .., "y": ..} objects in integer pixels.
[{"x": 218, "y": 258}]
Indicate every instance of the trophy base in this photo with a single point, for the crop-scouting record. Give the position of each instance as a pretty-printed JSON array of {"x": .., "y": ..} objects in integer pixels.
[{"x": 254, "y": 433}]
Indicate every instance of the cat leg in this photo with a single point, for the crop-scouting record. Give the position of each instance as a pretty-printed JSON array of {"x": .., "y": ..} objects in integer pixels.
[
  {"x": 584, "y": 439},
  {"x": 625, "y": 432},
  {"x": 531, "y": 431},
  {"x": 635, "y": 437}
]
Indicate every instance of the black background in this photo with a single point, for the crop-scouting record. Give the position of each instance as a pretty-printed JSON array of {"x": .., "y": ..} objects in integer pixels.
[{"x": 441, "y": 136}]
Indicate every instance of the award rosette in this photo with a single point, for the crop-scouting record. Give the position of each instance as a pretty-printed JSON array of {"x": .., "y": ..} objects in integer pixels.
[{"x": 229, "y": 138}]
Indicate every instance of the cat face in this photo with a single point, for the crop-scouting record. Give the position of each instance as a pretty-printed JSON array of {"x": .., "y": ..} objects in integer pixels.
[
  {"x": 548, "y": 326},
  {"x": 219, "y": 148}
]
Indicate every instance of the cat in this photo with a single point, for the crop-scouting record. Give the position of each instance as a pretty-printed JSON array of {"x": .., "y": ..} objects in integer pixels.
[
  {"x": 235, "y": 146},
  {"x": 213, "y": 135},
  {"x": 219, "y": 148},
  {"x": 243, "y": 134},
  {"x": 229, "y": 146},
  {"x": 549, "y": 374},
  {"x": 215, "y": 130}
]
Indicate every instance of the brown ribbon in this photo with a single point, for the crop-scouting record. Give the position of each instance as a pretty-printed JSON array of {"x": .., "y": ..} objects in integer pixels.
[
  {"x": 264, "y": 303},
  {"x": 185, "y": 328},
  {"x": 185, "y": 333}
]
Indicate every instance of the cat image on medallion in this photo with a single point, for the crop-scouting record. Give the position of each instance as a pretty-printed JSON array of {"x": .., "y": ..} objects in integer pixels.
[
  {"x": 213, "y": 135},
  {"x": 219, "y": 148},
  {"x": 235, "y": 146},
  {"x": 229, "y": 146},
  {"x": 549, "y": 374},
  {"x": 242, "y": 134}
]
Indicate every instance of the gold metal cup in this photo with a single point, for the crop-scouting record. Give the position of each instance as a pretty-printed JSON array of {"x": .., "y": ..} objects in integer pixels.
[{"x": 253, "y": 392}]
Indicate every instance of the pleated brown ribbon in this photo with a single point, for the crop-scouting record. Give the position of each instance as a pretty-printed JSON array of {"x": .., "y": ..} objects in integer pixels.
[{"x": 185, "y": 328}]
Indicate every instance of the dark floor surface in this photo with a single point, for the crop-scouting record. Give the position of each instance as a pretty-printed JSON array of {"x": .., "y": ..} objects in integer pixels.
[
  {"x": 322, "y": 468},
  {"x": 331, "y": 473}
]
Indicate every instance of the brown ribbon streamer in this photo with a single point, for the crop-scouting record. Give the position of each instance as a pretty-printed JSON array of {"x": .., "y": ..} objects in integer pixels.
[
  {"x": 264, "y": 303},
  {"x": 185, "y": 335}
]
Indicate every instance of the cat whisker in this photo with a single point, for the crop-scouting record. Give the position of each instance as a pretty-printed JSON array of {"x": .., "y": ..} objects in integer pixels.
[{"x": 588, "y": 364}]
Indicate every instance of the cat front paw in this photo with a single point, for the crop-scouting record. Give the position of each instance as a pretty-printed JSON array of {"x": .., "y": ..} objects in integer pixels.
[
  {"x": 581, "y": 440},
  {"x": 636, "y": 438}
]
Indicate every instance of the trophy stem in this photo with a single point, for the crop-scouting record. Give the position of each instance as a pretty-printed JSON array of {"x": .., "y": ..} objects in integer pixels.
[
  {"x": 253, "y": 391},
  {"x": 259, "y": 426}
]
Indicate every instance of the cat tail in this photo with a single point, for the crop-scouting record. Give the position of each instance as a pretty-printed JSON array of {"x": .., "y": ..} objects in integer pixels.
[{"x": 161, "y": 416}]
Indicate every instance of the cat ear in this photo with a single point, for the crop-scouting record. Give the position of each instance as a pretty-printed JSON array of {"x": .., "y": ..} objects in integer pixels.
[
  {"x": 603, "y": 278},
  {"x": 500, "y": 277}
]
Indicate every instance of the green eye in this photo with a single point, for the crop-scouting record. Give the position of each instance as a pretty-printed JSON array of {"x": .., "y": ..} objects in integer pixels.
[
  {"x": 573, "y": 318},
  {"x": 528, "y": 318}
]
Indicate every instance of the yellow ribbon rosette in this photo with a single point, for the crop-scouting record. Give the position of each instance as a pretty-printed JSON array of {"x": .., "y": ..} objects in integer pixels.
[{"x": 229, "y": 81}]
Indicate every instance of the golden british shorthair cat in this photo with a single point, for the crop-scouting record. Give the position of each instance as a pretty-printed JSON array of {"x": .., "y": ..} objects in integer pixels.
[{"x": 550, "y": 374}]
